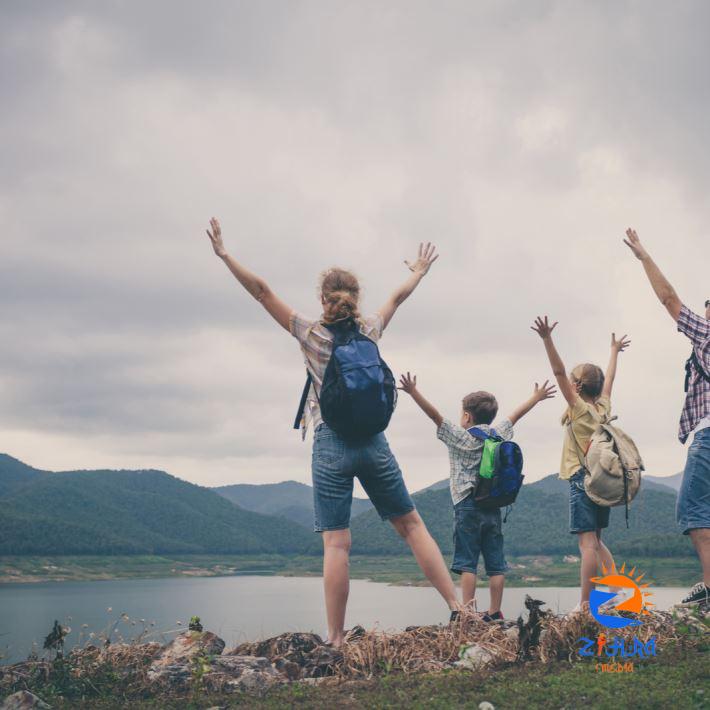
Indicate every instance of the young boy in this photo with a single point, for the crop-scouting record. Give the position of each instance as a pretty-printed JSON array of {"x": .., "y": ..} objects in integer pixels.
[{"x": 476, "y": 530}]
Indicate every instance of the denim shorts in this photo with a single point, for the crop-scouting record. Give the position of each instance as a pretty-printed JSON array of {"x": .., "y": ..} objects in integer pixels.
[
  {"x": 477, "y": 531},
  {"x": 584, "y": 514},
  {"x": 335, "y": 464},
  {"x": 693, "y": 507}
]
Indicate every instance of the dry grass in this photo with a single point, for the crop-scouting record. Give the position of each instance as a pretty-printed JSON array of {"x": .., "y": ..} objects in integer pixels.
[{"x": 422, "y": 649}]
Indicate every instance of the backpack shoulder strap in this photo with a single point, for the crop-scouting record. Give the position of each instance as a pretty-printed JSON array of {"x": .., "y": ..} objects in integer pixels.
[
  {"x": 302, "y": 404},
  {"x": 691, "y": 362},
  {"x": 477, "y": 433}
]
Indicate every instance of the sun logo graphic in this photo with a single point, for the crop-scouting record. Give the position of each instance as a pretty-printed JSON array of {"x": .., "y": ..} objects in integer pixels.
[{"x": 619, "y": 582}]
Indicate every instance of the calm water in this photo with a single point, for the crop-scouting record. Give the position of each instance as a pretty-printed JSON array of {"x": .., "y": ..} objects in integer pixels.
[{"x": 235, "y": 608}]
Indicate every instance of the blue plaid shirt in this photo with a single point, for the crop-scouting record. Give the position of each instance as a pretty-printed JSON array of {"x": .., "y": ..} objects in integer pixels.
[{"x": 465, "y": 453}]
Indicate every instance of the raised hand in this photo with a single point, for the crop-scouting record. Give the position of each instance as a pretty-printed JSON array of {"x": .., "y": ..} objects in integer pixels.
[
  {"x": 634, "y": 243},
  {"x": 408, "y": 383},
  {"x": 543, "y": 327},
  {"x": 426, "y": 257},
  {"x": 621, "y": 344},
  {"x": 547, "y": 391},
  {"x": 216, "y": 237}
]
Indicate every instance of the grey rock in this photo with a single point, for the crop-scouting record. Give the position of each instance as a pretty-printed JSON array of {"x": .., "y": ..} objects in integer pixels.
[
  {"x": 174, "y": 664},
  {"x": 182, "y": 651},
  {"x": 241, "y": 673},
  {"x": 322, "y": 661},
  {"x": 295, "y": 655},
  {"x": 23, "y": 700},
  {"x": 475, "y": 657}
]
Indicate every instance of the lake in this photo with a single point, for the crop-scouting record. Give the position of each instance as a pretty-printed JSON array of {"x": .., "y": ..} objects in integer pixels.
[{"x": 235, "y": 608}]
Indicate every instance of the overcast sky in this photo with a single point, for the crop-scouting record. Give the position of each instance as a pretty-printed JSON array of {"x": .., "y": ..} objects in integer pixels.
[{"x": 520, "y": 137}]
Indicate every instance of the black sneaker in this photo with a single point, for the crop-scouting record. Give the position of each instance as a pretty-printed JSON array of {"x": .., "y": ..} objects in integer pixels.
[
  {"x": 495, "y": 616},
  {"x": 699, "y": 594}
]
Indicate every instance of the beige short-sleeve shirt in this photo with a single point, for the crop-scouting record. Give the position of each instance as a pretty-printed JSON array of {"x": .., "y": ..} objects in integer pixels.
[{"x": 585, "y": 418}]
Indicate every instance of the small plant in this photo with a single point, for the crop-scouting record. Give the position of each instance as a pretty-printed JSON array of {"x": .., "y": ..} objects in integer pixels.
[
  {"x": 201, "y": 665},
  {"x": 195, "y": 624},
  {"x": 55, "y": 639}
]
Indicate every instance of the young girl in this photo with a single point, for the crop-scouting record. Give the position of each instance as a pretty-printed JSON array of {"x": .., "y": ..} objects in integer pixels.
[
  {"x": 588, "y": 394},
  {"x": 336, "y": 461}
]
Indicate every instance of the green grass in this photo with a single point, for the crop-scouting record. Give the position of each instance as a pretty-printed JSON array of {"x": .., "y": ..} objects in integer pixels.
[
  {"x": 540, "y": 571},
  {"x": 670, "y": 681}
]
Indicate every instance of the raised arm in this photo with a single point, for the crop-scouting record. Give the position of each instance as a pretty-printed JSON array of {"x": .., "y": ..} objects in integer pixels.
[
  {"x": 544, "y": 330},
  {"x": 547, "y": 391},
  {"x": 254, "y": 284},
  {"x": 408, "y": 384},
  {"x": 617, "y": 346},
  {"x": 419, "y": 269},
  {"x": 665, "y": 292}
]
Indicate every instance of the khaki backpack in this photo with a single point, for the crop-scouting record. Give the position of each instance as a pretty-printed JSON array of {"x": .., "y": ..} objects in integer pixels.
[{"x": 612, "y": 465}]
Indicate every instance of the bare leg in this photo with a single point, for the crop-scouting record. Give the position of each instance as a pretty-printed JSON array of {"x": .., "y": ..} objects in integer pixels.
[
  {"x": 336, "y": 580},
  {"x": 428, "y": 555},
  {"x": 468, "y": 588},
  {"x": 588, "y": 550},
  {"x": 701, "y": 541},
  {"x": 604, "y": 557},
  {"x": 496, "y": 584}
]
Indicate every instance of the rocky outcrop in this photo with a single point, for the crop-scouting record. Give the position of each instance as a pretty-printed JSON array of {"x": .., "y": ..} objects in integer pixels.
[
  {"x": 199, "y": 657},
  {"x": 296, "y": 655},
  {"x": 195, "y": 657},
  {"x": 241, "y": 673}
]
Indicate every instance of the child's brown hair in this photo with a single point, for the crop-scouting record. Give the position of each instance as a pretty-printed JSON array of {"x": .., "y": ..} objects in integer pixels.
[{"x": 482, "y": 406}]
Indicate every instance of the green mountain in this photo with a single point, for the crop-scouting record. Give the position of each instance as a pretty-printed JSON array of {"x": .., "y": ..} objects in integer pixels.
[
  {"x": 14, "y": 474},
  {"x": 129, "y": 512},
  {"x": 288, "y": 499},
  {"x": 672, "y": 482},
  {"x": 538, "y": 524}
]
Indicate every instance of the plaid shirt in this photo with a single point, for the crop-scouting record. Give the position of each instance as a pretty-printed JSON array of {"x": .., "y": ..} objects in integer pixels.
[
  {"x": 316, "y": 343},
  {"x": 465, "y": 453},
  {"x": 697, "y": 400}
]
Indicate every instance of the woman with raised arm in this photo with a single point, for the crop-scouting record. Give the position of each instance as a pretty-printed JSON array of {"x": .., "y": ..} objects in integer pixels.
[
  {"x": 337, "y": 460},
  {"x": 588, "y": 393}
]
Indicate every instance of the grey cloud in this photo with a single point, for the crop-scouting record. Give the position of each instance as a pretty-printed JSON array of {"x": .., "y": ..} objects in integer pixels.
[{"x": 521, "y": 137}]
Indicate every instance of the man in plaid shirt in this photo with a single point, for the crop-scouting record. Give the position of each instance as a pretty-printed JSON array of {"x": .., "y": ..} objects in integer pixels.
[{"x": 693, "y": 509}]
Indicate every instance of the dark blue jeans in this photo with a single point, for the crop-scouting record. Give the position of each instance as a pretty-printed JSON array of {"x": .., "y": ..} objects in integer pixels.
[{"x": 693, "y": 507}]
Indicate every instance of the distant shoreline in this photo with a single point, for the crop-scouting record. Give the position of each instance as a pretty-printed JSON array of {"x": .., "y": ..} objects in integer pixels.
[{"x": 527, "y": 571}]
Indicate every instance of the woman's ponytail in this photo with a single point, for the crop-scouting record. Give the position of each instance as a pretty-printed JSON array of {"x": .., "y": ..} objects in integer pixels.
[{"x": 340, "y": 294}]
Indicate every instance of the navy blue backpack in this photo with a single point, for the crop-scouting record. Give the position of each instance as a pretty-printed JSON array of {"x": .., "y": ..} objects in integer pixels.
[
  {"x": 500, "y": 476},
  {"x": 359, "y": 392}
]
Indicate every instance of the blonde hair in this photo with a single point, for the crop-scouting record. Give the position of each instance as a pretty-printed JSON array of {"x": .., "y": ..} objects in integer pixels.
[
  {"x": 340, "y": 293},
  {"x": 589, "y": 379}
]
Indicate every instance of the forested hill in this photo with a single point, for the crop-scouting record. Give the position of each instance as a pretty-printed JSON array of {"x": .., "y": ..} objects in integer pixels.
[
  {"x": 538, "y": 524},
  {"x": 289, "y": 499},
  {"x": 129, "y": 512}
]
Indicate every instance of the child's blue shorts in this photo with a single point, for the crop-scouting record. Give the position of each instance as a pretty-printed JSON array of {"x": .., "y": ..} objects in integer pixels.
[
  {"x": 584, "y": 514},
  {"x": 477, "y": 531}
]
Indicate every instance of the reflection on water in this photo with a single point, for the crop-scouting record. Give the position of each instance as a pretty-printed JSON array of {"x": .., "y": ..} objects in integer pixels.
[{"x": 235, "y": 608}]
